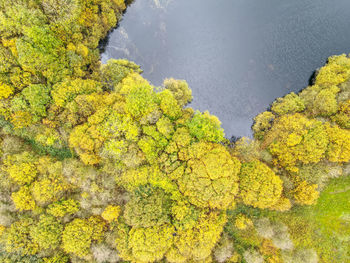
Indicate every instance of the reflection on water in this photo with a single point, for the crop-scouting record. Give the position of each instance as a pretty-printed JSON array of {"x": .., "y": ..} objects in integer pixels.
[{"x": 237, "y": 55}]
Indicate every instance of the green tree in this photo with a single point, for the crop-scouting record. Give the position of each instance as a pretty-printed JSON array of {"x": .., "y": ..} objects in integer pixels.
[{"x": 206, "y": 127}]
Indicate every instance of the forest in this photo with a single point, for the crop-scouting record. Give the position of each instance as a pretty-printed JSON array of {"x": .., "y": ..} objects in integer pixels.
[{"x": 98, "y": 165}]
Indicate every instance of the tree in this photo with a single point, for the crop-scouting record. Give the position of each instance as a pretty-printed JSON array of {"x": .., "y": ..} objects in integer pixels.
[
  {"x": 66, "y": 91},
  {"x": 23, "y": 199},
  {"x": 21, "y": 167},
  {"x": 5, "y": 91},
  {"x": 206, "y": 127},
  {"x": 115, "y": 70},
  {"x": 111, "y": 213},
  {"x": 80, "y": 233},
  {"x": 306, "y": 194},
  {"x": 262, "y": 123},
  {"x": 63, "y": 207},
  {"x": 147, "y": 207},
  {"x": 140, "y": 101},
  {"x": 210, "y": 179},
  {"x": 47, "y": 232},
  {"x": 49, "y": 189},
  {"x": 77, "y": 237},
  {"x": 320, "y": 101},
  {"x": 259, "y": 185},
  {"x": 41, "y": 52},
  {"x": 295, "y": 138},
  {"x": 18, "y": 15},
  {"x": 145, "y": 244},
  {"x": 180, "y": 90},
  {"x": 242, "y": 222},
  {"x": 335, "y": 72},
  {"x": 169, "y": 105},
  {"x": 197, "y": 242},
  {"x": 18, "y": 239},
  {"x": 339, "y": 144},
  {"x": 38, "y": 97},
  {"x": 342, "y": 117},
  {"x": 291, "y": 103},
  {"x": 60, "y": 11}
]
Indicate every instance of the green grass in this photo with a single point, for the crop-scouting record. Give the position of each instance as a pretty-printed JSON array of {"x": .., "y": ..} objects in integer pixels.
[{"x": 324, "y": 226}]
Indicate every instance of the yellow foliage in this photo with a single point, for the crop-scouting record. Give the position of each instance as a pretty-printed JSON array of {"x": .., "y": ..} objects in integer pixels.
[
  {"x": 23, "y": 199},
  {"x": 242, "y": 222},
  {"x": 65, "y": 92},
  {"x": 77, "y": 237},
  {"x": 270, "y": 251},
  {"x": 210, "y": 179},
  {"x": 283, "y": 204},
  {"x": 296, "y": 139},
  {"x": 335, "y": 72},
  {"x": 306, "y": 194},
  {"x": 63, "y": 207},
  {"x": 2, "y": 229},
  {"x": 320, "y": 100},
  {"x": 343, "y": 115},
  {"x": 339, "y": 144},
  {"x": 262, "y": 123},
  {"x": 291, "y": 103},
  {"x": 180, "y": 90},
  {"x": 21, "y": 119},
  {"x": 5, "y": 91},
  {"x": 235, "y": 258},
  {"x": 98, "y": 228},
  {"x": 21, "y": 168},
  {"x": 169, "y": 105},
  {"x": 86, "y": 140},
  {"x": 198, "y": 242},
  {"x": 18, "y": 240},
  {"x": 49, "y": 189},
  {"x": 259, "y": 185},
  {"x": 111, "y": 213},
  {"x": 147, "y": 244}
]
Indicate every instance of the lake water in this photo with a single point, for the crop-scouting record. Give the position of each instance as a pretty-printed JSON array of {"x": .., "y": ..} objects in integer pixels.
[{"x": 236, "y": 55}]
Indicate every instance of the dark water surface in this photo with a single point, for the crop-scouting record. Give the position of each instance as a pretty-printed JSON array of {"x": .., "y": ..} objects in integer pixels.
[{"x": 236, "y": 55}]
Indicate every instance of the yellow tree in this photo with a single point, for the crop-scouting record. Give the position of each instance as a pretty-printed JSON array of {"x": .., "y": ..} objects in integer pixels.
[
  {"x": 211, "y": 176},
  {"x": 296, "y": 139},
  {"x": 259, "y": 185}
]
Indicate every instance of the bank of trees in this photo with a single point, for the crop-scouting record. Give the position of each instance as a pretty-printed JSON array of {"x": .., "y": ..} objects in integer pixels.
[{"x": 98, "y": 165}]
